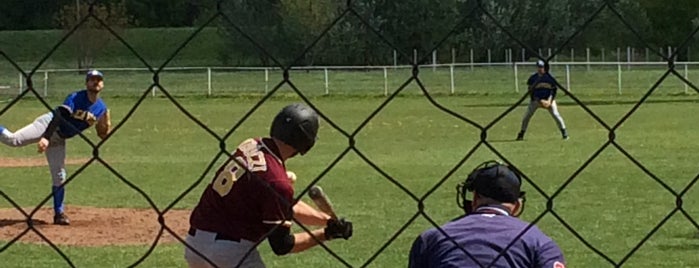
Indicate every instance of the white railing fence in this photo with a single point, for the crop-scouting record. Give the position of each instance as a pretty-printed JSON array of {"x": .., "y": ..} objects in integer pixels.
[{"x": 452, "y": 78}]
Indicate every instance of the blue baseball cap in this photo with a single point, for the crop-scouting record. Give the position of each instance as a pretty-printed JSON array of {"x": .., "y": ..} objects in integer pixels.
[
  {"x": 92, "y": 73},
  {"x": 540, "y": 63}
]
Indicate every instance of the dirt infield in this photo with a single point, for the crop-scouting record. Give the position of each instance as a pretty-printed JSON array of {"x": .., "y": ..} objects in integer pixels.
[
  {"x": 35, "y": 161},
  {"x": 95, "y": 226}
]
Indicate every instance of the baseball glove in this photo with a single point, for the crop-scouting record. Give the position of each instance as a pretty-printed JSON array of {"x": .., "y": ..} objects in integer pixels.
[
  {"x": 546, "y": 103},
  {"x": 104, "y": 125}
]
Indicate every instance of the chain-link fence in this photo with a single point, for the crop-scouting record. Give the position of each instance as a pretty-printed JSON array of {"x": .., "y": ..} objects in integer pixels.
[{"x": 350, "y": 11}]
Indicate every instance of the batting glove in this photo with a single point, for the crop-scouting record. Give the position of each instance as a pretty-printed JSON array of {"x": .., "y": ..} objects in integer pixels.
[{"x": 338, "y": 228}]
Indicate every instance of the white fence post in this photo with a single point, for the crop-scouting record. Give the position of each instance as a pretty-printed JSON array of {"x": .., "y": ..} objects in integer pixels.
[
  {"x": 572, "y": 54},
  {"x": 414, "y": 56},
  {"x": 489, "y": 56},
  {"x": 524, "y": 51},
  {"x": 395, "y": 58},
  {"x": 472, "y": 59},
  {"x": 327, "y": 88},
  {"x": 385, "y": 81},
  {"x": 549, "y": 52},
  {"x": 46, "y": 83},
  {"x": 568, "y": 77},
  {"x": 628, "y": 58},
  {"x": 619, "y": 76},
  {"x": 451, "y": 74},
  {"x": 516, "y": 77},
  {"x": 266, "y": 80},
  {"x": 669, "y": 52},
  {"x": 434, "y": 60},
  {"x": 587, "y": 57},
  {"x": 602, "y": 54},
  {"x": 208, "y": 78}
]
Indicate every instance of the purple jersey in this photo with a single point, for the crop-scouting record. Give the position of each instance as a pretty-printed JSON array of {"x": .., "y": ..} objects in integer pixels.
[
  {"x": 83, "y": 113},
  {"x": 484, "y": 235},
  {"x": 244, "y": 206},
  {"x": 543, "y": 86}
]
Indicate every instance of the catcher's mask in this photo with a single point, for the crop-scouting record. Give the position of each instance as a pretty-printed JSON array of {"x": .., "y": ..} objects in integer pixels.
[{"x": 494, "y": 180}]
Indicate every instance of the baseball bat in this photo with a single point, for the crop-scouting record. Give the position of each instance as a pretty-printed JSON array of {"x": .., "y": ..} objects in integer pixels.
[{"x": 321, "y": 200}]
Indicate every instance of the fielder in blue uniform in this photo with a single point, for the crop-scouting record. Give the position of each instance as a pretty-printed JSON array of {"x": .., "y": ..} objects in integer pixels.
[
  {"x": 80, "y": 110},
  {"x": 542, "y": 89},
  {"x": 489, "y": 226}
]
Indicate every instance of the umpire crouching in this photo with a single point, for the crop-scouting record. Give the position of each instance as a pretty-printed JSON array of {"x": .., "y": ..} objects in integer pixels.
[{"x": 481, "y": 237}]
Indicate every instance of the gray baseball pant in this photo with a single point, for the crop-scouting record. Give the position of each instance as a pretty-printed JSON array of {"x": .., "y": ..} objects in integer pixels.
[
  {"x": 553, "y": 110},
  {"x": 223, "y": 253},
  {"x": 55, "y": 153}
]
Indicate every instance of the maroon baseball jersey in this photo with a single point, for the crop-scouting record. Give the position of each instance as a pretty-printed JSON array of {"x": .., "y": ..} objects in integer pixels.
[{"x": 243, "y": 204}]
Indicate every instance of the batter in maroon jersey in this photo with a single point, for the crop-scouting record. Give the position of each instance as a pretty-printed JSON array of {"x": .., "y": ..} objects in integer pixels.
[{"x": 251, "y": 198}]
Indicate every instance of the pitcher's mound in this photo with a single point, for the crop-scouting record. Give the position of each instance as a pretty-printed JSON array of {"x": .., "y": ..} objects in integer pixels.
[{"x": 90, "y": 226}]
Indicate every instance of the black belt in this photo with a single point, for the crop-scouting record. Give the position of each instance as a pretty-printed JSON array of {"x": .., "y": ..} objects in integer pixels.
[{"x": 193, "y": 231}]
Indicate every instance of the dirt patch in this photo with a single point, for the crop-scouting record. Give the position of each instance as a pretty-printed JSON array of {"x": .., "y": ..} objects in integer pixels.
[
  {"x": 95, "y": 226},
  {"x": 36, "y": 161}
]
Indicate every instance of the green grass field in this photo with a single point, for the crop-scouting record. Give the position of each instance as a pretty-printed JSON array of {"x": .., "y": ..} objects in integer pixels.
[{"x": 611, "y": 203}]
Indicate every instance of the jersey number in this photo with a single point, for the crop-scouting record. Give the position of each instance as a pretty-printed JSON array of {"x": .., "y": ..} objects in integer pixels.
[{"x": 252, "y": 157}]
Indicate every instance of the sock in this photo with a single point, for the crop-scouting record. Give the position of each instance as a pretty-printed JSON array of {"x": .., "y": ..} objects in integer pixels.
[{"x": 58, "y": 195}]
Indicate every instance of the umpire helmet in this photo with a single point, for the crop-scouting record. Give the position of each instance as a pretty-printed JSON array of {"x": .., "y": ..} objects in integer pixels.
[
  {"x": 494, "y": 180},
  {"x": 297, "y": 126}
]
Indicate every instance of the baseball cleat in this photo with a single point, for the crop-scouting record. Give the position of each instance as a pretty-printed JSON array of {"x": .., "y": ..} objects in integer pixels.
[
  {"x": 2, "y": 128},
  {"x": 61, "y": 219},
  {"x": 520, "y": 136}
]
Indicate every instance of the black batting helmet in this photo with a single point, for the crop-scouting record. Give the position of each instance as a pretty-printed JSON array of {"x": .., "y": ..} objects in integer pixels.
[
  {"x": 494, "y": 180},
  {"x": 297, "y": 126}
]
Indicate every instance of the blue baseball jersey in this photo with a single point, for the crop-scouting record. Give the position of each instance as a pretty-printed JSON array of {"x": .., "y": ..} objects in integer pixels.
[
  {"x": 484, "y": 236},
  {"x": 83, "y": 113},
  {"x": 543, "y": 86}
]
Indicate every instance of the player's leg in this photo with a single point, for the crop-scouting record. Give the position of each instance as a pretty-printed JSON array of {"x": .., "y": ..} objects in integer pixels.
[
  {"x": 533, "y": 105},
  {"x": 56, "y": 157},
  {"x": 553, "y": 110},
  {"x": 223, "y": 253},
  {"x": 28, "y": 134}
]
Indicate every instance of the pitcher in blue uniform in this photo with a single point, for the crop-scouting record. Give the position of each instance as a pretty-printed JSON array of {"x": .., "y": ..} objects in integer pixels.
[
  {"x": 542, "y": 89},
  {"x": 80, "y": 110},
  {"x": 488, "y": 228}
]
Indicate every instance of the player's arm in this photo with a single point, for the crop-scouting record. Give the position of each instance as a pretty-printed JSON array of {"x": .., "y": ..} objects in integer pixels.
[
  {"x": 104, "y": 125},
  {"x": 550, "y": 255},
  {"x": 307, "y": 215},
  {"x": 417, "y": 258},
  {"x": 282, "y": 242}
]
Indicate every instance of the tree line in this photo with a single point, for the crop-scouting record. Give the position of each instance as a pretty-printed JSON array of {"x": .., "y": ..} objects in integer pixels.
[{"x": 284, "y": 28}]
